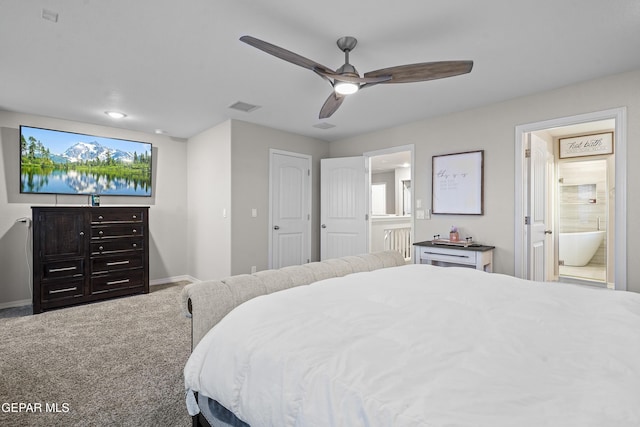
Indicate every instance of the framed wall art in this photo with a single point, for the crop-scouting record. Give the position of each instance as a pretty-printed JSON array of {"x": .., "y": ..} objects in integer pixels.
[
  {"x": 458, "y": 183},
  {"x": 586, "y": 145}
]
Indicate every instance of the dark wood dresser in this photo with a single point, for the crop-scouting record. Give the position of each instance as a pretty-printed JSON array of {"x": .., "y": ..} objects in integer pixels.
[{"x": 84, "y": 254}]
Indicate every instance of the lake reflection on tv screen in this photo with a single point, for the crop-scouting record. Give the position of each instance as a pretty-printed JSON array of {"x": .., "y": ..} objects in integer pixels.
[{"x": 75, "y": 182}]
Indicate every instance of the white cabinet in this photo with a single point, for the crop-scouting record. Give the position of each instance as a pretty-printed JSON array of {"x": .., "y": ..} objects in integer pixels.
[{"x": 479, "y": 257}]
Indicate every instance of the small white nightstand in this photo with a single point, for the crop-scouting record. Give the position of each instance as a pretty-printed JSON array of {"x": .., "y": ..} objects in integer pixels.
[{"x": 479, "y": 257}]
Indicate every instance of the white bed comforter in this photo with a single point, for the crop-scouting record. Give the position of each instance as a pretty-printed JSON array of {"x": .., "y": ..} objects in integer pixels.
[{"x": 420, "y": 345}]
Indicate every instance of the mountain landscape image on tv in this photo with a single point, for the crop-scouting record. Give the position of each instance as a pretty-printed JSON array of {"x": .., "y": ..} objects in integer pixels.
[{"x": 58, "y": 162}]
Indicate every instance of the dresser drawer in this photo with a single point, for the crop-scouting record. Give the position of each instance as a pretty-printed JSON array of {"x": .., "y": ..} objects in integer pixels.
[
  {"x": 62, "y": 290},
  {"x": 116, "y": 230},
  {"x": 121, "y": 280},
  {"x": 62, "y": 269},
  {"x": 105, "y": 247},
  {"x": 116, "y": 215},
  {"x": 455, "y": 256},
  {"x": 104, "y": 265}
]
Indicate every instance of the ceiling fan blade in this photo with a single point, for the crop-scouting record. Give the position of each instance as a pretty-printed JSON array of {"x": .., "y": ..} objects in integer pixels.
[
  {"x": 353, "y": 79},
  {"x": 333, "y": 102},
  {"x": 423, "y": 71},
  {"x": 281, "y": 53}
]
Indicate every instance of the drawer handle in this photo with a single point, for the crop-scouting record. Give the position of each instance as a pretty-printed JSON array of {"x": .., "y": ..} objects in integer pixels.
[
  {"x": 134, "y": 231},
  {"x": 118, "y": 263},
  {"x": 100, "y": 233},
  {"x": 441, "y": 253},
  {"x": 57, "y": 291},
  {"x": 100, "y": 248},
  {"x": 135, "y": 216},
  {"x": 57, "y": 270},
  {"x": 135, "y": 245},
  {"x": 82, "y": 233},
  {"x": 117, "y": 282},
  {"x": 100, "y": 217}
]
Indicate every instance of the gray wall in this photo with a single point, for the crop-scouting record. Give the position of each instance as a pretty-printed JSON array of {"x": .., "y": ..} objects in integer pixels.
[
  {"x": 492, "y": 129},
  {"x": 388, "y": 178},
  {"x": 168, "y": 205},
  {"x": 250, "y": 189}
]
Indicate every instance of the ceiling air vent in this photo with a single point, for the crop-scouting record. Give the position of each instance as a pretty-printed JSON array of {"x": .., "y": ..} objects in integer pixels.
[
  {"x": 49, "y": 15},
  {"x": 324, "y": 125},
  {"x": 244, "y": 107}
]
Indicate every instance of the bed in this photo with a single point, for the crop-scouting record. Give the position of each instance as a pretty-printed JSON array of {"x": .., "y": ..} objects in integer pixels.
[{"x": 418, "y": 345}]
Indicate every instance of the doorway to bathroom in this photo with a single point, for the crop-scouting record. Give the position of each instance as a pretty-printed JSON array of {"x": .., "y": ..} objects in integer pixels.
[
  {"x": 578, "y": 191},
  {"x": 578, "y": 198}
]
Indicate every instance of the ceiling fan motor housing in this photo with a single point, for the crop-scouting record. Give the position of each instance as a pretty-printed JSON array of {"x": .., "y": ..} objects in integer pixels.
[
  {"x": 348, "y": 69},
  {"x": 347, "y": 44}
]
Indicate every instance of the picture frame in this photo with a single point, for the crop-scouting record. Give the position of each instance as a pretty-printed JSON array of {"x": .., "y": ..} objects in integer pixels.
[
  {"x": 457, "y": 185},
  {"x": 596, "y": 144}
]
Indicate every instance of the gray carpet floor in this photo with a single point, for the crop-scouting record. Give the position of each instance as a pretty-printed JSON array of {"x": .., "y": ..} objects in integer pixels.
[{"x": 112, "y": 363}]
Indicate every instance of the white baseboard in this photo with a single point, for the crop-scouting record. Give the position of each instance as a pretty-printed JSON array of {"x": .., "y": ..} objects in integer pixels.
[
  {"x": 173, "y": 279},
  {"x": 19, "y": 303}
]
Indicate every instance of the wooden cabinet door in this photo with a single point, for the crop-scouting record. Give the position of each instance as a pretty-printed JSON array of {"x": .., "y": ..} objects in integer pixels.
[{"x": 61, "y": 234}]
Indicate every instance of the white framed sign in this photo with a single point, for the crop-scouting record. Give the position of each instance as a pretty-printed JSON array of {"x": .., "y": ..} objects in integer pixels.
[
  {"x": 586, "y": 145},
  {"x": 457, "y": 183}
]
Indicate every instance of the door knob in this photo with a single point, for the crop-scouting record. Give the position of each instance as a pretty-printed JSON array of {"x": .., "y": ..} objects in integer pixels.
[
  {"x": 276, "y": 227},
  {"x": 548, "y": 232},
  {"x": 324, "y": 226}
]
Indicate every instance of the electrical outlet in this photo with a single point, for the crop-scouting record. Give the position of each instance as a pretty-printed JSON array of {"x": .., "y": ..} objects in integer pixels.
[{"x": 253, "y": 269}]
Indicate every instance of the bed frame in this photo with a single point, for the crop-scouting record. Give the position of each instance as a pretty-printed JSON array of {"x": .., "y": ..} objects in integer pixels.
[
  {"x": 199, "y": 421},
  {"x": 206, "y": 303}
]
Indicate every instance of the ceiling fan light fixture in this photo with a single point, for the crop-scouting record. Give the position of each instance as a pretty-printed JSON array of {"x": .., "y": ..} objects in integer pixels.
[{"x": 346, "y": 88}]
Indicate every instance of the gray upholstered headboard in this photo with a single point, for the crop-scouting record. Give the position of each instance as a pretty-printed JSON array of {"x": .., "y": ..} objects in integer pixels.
[{"x": 208, "y": 302}]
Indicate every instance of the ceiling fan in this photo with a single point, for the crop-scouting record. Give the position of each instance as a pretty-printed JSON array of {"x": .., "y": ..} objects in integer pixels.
[{"x": 346, "y": 80}]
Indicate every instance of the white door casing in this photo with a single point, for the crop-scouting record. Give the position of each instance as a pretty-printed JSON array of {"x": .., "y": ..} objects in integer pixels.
[
  {"x": 343, "y": 206},
  {"x": 521, "y": 249},
  {"x": 290, "y": 209}
]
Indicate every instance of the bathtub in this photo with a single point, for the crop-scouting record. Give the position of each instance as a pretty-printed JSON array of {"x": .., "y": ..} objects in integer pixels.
[{"x": 577, "y": 249}]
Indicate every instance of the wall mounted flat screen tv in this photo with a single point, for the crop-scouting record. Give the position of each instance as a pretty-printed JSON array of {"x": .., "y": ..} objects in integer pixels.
[{"x": 59, "y": 162}]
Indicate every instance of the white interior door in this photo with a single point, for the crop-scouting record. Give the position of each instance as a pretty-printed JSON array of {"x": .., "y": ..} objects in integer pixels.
[
  {"x": 343, "y": 207},
  {"x": 540, "y": 231},
  {"x": 290, "y": 227}
]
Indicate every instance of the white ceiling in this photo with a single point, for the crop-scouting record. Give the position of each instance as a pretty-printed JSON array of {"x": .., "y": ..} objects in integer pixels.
[{"x": 178, "y": 65}]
